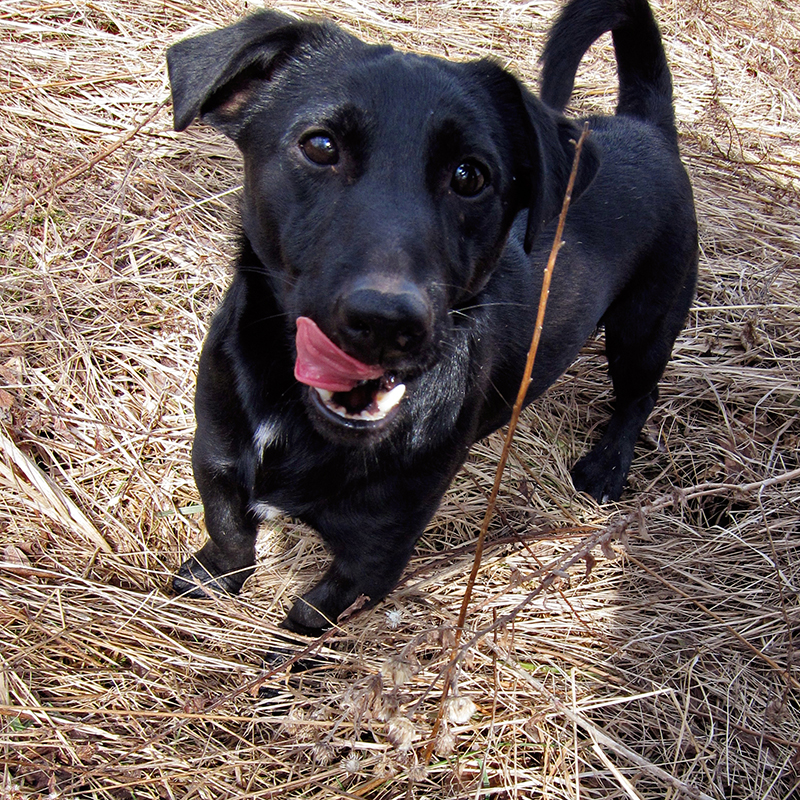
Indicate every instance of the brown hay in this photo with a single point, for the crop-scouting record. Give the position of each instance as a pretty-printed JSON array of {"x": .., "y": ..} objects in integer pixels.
[{"x": 654, "y": 655}]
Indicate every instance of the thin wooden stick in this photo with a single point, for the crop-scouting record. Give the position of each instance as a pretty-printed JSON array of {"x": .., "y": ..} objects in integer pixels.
[
  {"x": 512, "y": 427},
  {"x": 74, "y": 173},
  {"x": 524, "y": 383}
]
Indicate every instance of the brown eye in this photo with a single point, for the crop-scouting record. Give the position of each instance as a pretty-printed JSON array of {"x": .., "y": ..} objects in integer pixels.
[
  {"x": 320, "y": 148},
  {"x": 469, "y": 179}
]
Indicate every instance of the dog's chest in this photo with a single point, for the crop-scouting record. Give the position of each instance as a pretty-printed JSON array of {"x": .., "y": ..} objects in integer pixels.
[{"x": 289, "y": 474}]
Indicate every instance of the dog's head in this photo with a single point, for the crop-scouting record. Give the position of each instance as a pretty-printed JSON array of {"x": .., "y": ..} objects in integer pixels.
[{"x": 380, "y": 189}]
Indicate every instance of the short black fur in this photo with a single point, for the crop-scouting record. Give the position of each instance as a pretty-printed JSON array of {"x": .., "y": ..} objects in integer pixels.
[{"x": 404, "y": 266}]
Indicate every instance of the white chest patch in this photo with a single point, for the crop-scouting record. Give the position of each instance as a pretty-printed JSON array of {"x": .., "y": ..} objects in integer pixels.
[
  {"x": 264, "y": 511},
  {"x": 266, "y": 435}
]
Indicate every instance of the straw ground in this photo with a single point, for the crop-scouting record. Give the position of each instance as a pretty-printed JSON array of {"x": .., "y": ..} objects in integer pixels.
[{"x": 646, "y": 649}]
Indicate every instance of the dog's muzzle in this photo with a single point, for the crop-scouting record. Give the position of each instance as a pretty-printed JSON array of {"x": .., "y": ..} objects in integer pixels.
[{"x": 342, "y": 388}]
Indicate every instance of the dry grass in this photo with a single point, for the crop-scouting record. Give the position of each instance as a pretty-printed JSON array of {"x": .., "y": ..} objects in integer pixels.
[{"x": 661, "y": 665}]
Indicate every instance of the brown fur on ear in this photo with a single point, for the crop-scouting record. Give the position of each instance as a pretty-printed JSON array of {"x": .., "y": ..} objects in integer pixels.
[
  {"x": 236, "y": 98},
  {"x": 217, "y": 74},
  {"x": 227, "y": 106}
]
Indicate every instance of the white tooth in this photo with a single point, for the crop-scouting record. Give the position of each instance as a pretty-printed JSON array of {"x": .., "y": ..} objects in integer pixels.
[
  {"x": 386, "y": 402},
  {"x": 327, "y": 399}
]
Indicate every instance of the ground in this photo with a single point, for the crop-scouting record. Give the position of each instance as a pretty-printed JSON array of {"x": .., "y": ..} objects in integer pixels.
[{"x": 637, "y": 650}]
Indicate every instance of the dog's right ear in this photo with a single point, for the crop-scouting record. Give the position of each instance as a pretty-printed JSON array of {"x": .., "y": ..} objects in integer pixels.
[
  {"x": 214, "y": 75},
  {"x": 556, "y": 153}
]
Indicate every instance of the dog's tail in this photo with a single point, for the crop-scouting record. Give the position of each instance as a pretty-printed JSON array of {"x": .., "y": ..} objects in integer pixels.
[{"x": 645, "y": 85}]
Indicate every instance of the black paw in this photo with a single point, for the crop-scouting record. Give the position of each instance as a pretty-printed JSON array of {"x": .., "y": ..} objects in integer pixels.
[
  {"x": 306, "y": 620},
  {"x": 599, "y": 476},
  {"x": 194, "y": 579}
]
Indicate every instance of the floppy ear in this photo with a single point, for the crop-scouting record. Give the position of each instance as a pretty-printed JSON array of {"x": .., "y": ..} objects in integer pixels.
[
  {"x": 542, "y": 145},
  {"x": 555, "y": 139},
  {"x": 214, "y": 75}
]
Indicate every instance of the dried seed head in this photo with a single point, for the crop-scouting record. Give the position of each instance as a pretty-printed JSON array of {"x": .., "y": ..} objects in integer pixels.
[
  {"x": 322, "y": 753},
  {"x": 393, "y": 619},
  {"x": 417, "y": 773},
  {"x": 358, "y": 700},
  {"x": 532, "y": 729},
  {"x": 401, "y": 733},
  {"x": 445, "y": 742},
  {"x": 385, "y": 769},
  {"x": 396, "y": 671},
  {"x": 445, "y": 637},
  {"x": 459, "y": 710},
  {"x": 385, "y": 707},
  {"x": 352, "y": 764},
  {"x": 775, "y": 709},
  {"x": 321, "y": 712},
  {"x": 294, "y": 724}
]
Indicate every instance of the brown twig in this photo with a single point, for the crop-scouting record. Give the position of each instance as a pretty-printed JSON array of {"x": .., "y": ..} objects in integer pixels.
[
  {"x": 512, "y": 426},
  {"x": 74, "y": 173}
]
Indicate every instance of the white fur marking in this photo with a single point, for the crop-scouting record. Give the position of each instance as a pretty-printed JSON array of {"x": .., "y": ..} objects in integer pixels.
[
  {"x": 264, "y": 511},
  {"x": 267, "y": 434}
]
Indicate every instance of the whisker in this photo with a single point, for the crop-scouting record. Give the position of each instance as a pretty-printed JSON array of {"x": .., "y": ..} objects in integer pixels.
[
  {"x": 508, "y": 303},
  {"x": 267, "y": 318}
]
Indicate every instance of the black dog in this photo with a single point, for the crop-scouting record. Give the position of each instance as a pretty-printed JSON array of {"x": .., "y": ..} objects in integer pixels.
[{"x": 397, "y": 215}]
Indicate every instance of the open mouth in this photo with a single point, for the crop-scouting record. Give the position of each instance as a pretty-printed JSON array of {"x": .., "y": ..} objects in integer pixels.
[
  {"x": 367, "y": 403},
  {"x": 347, "y": 392}
]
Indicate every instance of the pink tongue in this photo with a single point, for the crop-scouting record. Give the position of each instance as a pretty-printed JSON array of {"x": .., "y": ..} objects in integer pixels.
[{"x": 322, "y": 364}]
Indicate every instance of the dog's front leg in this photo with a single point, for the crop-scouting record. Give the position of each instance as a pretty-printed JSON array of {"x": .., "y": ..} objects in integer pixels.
[
  {"x": 223, "y": 564},
  {"x": 372, "y": 539},
  {"x": 350, "y": 577}
]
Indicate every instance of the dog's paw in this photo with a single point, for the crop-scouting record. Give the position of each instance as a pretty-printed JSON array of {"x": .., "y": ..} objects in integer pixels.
[
  {"x": 603, "y": 479},
  {"x": 304, "y": 619},
  {"x": 193, "y": 579}
]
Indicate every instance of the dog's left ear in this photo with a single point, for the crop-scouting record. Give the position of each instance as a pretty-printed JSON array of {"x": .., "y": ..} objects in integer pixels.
[
  {"x": 556, "y": 138},
  {"x": 541, "y": 147},
  {"x": 215, "y": 75}
]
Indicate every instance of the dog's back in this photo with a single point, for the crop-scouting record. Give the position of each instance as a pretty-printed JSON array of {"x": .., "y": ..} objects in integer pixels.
[{"x": 645, "y": 85}]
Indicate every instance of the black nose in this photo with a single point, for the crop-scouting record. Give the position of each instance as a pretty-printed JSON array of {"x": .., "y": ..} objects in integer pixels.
[{"x": 382, "y": 322}]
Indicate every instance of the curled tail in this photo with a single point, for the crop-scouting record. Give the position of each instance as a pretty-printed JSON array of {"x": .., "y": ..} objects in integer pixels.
[{"x": 645, "y": 85}]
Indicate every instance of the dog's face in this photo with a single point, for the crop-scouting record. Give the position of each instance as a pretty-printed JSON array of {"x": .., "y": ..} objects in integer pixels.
[
  {"x": 379, "y": 191},
  {"x": 383, "y": 203}
]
